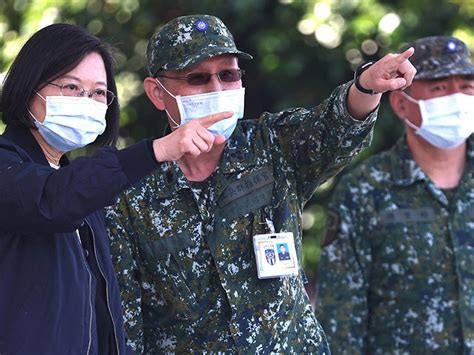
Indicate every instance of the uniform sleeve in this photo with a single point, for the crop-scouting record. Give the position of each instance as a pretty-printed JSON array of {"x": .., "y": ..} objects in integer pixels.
[
  {"x": 344, "y": 272},
  {"x": 124, "y": 256},
  {"x": 39, "y": 198},
  {"x": 321, "y": 141}
]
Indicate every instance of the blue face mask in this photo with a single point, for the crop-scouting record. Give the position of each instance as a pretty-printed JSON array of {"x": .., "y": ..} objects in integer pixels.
[
  {"x": 201, "y": 105},
  {"x": 71, "y": 122}
]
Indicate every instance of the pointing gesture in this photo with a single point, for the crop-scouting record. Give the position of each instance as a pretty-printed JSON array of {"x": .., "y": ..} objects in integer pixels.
[
  {"x": 192, "y": 138},
  {"x": 392, "y": 72}
]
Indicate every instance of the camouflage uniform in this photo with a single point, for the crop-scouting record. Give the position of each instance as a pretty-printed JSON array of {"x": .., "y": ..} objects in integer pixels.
[
  {"x": 183, "y": 251},
  {"x": 397, "y": 275}
]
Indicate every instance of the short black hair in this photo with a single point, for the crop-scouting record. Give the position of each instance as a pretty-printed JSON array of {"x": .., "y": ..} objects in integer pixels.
[{"x": 48, "y": 54}]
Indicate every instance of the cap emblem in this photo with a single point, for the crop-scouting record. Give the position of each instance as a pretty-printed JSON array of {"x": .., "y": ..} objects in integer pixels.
[{"x": 201, "y": 25}]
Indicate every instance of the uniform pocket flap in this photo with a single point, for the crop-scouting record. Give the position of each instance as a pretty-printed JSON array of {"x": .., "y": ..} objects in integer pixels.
[{"x": 172, "y": 245}]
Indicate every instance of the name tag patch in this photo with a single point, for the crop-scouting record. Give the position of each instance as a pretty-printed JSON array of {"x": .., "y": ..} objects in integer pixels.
[
  {"x": 407, "y": 215},
  {"x": 247, "y": 194},
  {"x": 246, "y": 185}
]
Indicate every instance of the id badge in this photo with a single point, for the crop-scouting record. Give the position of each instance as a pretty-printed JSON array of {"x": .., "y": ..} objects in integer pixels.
[{"x": 275, "y": 255}]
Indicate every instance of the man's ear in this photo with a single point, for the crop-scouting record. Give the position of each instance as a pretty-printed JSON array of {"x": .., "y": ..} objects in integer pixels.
[
  {"x": 154, "y": 92},
  {"x": 398, "y": 104}
]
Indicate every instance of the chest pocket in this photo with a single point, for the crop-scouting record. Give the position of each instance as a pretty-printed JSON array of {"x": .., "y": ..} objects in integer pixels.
[
  {"x": 161, "y": 260},
  {"x": 403, "y": 244}
]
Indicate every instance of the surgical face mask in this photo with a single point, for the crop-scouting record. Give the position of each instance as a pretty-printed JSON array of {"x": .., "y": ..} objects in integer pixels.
[
  {"x": 201, "y": 105},
  {"x": 447, "y": 121},
  {"x": 71, "y": 122}
]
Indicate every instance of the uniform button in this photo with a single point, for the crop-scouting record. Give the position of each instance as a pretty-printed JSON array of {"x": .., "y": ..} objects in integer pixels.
[{"x": 86, "y": 253}]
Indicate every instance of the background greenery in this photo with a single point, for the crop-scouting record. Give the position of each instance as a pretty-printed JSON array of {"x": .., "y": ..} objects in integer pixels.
[{"x": 302, "y": 50}]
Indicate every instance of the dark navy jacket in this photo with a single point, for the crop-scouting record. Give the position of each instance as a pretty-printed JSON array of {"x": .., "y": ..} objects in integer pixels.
[{"x": 47, "y": 293}]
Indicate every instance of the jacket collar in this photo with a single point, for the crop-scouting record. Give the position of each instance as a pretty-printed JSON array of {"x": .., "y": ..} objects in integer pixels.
[{"x": 23, "y": 138}]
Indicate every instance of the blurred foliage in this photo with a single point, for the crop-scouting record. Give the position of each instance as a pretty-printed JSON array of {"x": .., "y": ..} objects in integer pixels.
[{"x": 302, "y": 50}]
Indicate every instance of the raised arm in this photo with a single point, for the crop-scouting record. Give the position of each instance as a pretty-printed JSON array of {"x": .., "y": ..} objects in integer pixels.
[{"x": 392, "y": 72}]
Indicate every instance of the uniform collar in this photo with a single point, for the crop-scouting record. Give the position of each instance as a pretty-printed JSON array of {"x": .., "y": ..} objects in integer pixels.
[
  {"x": 238, "y": 156},
  {"x": 405, "y": 170}
]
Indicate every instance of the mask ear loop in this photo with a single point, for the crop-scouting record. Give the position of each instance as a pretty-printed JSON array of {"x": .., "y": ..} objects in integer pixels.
[
  {"x": 409, "y": 98},
  {"x": 412, "y": 125},
  {"x": 37, "y": 93},
  {"x": 31, "y": 113},
  {"x": 174, "y": 97},
  {"x": 412, "y": 100}
]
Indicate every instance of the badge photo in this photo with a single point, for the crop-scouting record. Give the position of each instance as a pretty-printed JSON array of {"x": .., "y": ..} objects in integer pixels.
[{"x": 275, "y": 255}]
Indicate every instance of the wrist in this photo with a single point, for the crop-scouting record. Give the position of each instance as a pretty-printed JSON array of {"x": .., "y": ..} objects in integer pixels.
[
  {"x": 357, "y": 75},
  {"x": 157, "y": 151}
]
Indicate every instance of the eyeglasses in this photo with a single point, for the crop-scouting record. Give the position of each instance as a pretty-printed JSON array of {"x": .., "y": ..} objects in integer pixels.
[
  {"x": 227, "y": 76},
  {"x": 100, "y": 95}
]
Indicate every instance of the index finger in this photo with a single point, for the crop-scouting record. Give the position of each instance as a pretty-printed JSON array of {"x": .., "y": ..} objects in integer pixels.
[
  {"x": 405, "y": 55},
  {"x": 208, "y": 121}
]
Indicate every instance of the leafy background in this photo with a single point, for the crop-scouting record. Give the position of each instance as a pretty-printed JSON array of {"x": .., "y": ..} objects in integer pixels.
[{"x": 302, "y": 50}]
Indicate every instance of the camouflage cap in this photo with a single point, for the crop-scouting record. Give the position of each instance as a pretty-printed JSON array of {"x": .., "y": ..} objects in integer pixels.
[
  {"x": 440, "y": 56},
  {"x": 187, "y": 40}
]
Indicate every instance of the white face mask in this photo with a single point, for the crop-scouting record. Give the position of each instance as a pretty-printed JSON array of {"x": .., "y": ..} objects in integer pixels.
[
  {"x": 447, "y": 121},
  {"x": 71, "y": 122},
  {"x": 201, "y": 105}
]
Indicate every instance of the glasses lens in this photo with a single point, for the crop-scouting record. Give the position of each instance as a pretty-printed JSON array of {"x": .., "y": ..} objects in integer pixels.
[
  {"x": 71, "y": 90},
  {"x": 100, "y": 95},
  {"x": 103, "y": 95},
  {"x": 198, "y": 78},
  {"x": 230, "y": 75}
]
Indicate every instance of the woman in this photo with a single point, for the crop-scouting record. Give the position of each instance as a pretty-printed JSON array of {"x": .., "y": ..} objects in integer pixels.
[{"x": 59, "y": 294}]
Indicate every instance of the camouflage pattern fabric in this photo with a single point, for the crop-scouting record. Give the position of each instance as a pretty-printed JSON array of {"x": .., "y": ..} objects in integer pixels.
[
  {"x": 440, "y": 56},
  {"x": 183, "y": 251},
  {"x": 398, "y": 277},
  {"x": 187, "y": 40}
]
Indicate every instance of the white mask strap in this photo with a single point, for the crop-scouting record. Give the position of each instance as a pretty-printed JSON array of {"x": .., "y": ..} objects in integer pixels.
[
  {"x": 411, "y": 124},
  {"x": 174, "y": 97},
  {"x": 31, "y": 113},
  {"x": 171, "y": 118},
  {"x": 409, "y": 98},
  {"x": 37, "y": 93}
]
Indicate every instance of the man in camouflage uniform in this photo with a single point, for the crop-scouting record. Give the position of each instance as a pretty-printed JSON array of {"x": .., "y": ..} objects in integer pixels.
[
  {"x": 397, "y": 274},
  {"x": 182, "y": 238}
]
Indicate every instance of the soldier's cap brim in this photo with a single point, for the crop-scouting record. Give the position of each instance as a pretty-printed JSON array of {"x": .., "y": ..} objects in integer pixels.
[
  {"x": 206, "y": 54},
  {"x": 446, "y": 70}
]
